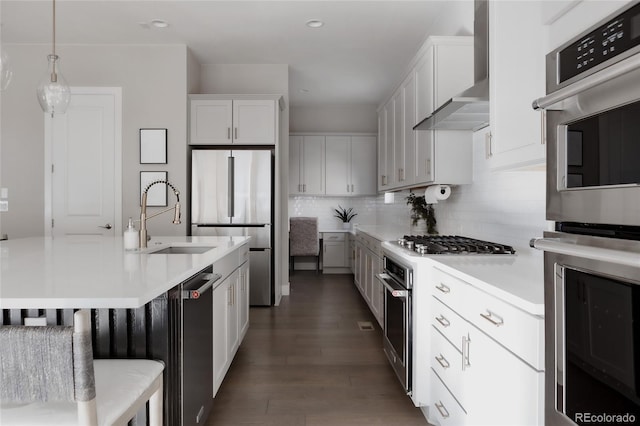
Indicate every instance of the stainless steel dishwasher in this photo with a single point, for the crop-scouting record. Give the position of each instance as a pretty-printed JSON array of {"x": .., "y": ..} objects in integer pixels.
[{"x": 197, "y": 347}]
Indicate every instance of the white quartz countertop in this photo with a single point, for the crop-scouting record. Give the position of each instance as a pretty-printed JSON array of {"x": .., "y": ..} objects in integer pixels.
[
  {"x": 517, "y": 279},
  {"x": 96, "y": 272}
]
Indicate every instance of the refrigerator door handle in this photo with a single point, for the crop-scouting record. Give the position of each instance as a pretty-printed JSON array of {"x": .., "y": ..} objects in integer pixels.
[{"x": 231, "y": 163}]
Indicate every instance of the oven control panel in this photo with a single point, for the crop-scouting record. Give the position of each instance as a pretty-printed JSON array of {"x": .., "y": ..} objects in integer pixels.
[{"x": 611, "y": 39}]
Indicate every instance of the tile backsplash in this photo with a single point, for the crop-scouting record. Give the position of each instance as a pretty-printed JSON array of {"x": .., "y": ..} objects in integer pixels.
[{"x": 503, "y": 206}]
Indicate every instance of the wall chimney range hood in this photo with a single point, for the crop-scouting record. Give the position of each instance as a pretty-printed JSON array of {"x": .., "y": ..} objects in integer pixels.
[{"x": 468, "y": 110}]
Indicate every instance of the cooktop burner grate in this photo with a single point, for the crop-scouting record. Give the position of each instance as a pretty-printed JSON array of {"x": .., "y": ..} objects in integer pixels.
[{"x": 452, "y": 244}]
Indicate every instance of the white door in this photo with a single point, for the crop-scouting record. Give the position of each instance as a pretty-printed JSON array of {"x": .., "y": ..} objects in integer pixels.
[{"x": 85, "y": 165}]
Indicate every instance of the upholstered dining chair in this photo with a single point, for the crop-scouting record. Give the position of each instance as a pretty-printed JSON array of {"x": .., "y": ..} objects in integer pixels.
[
  {"x": 49, "y": 377},
  {"x": 303, "y": 239}
]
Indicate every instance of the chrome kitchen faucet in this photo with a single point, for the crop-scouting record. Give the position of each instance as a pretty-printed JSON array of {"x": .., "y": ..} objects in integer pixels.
[{"x": 143, "y": 211}]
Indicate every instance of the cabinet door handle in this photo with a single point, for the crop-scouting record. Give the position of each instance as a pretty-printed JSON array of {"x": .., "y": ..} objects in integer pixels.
[
  {"x": 443, "y": 288},
  {"x": 351, "y": 187},
  {"x": 235, "y": 133},
  {"x": 443, "y": 411},
  {"x": 347, "y": 187},
  {"x": 493, "y": 318},
  {"x": 466, "y": 346},
  {"x": 229, "y": 296},
  {"x": 488, "y": 142},
  {"x": 443, "y": 321},
  {"x": 443, "y": 361},
  {"x": 228, "y": 132},
  {"x": 428, "y": 167}
]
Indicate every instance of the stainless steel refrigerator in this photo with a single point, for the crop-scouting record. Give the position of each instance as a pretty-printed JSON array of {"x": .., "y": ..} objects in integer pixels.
[{"x": 231, "y": 195}]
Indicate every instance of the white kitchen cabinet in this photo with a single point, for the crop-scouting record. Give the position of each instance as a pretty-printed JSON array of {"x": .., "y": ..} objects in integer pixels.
[
  {"x": 443, "y": 67},
  {"x": 516, "y": 137},
  {"x": 334, "y": 251},
  {"x": 382, "y": 150},
  {"x": 352, "y": 253},
  {"x": 243, "y": 301},
  {"x": 306, "y": 165},
  {"x": 368, "y": 264},
  {"x": 484, "y": 369},
  {"x": 230, "y": 320},
  {"x": 221, "y": 353},
  {"x": 217, "y": 121},
  {"x": 350, "y": 165}
]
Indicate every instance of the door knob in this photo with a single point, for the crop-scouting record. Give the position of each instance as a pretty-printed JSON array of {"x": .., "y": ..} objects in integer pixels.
[{"x": 107, "y": 226}]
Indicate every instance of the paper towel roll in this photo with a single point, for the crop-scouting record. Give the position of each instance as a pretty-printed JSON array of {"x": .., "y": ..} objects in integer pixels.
[{"x": 435, "y": 193}]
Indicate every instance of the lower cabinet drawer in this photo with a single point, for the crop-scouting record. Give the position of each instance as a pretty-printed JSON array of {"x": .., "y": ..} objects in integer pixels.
[
  {"x": 447, "y": 322},
  {"x": 444, "y": 409},
  {"x": 446, "y": 361}
]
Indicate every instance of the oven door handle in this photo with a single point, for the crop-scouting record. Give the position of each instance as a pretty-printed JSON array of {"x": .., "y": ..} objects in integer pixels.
[
  {"x": 396, "y": 290},
  {"x": 557, "y": 245},
  {"x": 551, "y": 101}
]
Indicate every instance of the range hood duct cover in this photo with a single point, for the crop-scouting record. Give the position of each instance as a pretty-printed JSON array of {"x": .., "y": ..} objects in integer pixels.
[{"x": 468, "y": 110}]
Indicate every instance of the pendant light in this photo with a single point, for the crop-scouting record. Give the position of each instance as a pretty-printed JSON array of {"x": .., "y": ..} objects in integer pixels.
[{"x": 53, "y": 91}]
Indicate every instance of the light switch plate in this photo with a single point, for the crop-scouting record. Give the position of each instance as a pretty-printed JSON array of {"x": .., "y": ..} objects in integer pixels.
[
  {"x": 4, "y": 193},
  {"x": 4, "y": 206}
]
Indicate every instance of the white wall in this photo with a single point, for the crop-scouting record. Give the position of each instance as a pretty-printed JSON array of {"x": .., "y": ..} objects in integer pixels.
[
  {"x": 245, "y": 78},
  {"x": 153, "y": 81},
  {"x": 334, "y": 118}
]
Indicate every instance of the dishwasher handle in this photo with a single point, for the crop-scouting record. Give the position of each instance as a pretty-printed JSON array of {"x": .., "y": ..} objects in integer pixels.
[{"x": 196, "y": 293}]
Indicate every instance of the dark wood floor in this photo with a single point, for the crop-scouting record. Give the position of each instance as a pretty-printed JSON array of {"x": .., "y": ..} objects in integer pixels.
[{"x": 306, "y": 363}]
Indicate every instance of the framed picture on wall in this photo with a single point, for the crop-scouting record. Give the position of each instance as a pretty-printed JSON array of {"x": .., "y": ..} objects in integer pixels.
[
  {"x": 153, "y": 146},
  {"x": 157, "y": 194}
]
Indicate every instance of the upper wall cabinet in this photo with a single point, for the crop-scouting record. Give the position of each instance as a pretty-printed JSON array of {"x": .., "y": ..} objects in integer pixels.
[
  {"x": 442, "y": 68},
  {"x": 215, "y": 120},
  {"x": 332, "y": 164},
  {"x": 516, "y": 78},
  {"x": 306, "y": 165},
  {"x": 350, "y": 165}
]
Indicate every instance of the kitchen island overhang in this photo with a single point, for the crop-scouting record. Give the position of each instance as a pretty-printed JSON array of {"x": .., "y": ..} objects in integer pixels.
[{"x": 96, "y": 272}]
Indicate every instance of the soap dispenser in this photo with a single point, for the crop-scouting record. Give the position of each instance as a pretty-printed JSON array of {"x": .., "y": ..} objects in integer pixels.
[{"x": 130, "y": 236}]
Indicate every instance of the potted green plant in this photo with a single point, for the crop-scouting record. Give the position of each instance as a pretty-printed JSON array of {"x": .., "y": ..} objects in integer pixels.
[
  {"x": 345, "y": 215},
  {"x": 420, "y": 210}
]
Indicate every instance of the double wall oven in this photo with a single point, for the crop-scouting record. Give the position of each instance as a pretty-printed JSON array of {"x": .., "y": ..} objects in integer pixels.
[{"x": 592, "y": 258}]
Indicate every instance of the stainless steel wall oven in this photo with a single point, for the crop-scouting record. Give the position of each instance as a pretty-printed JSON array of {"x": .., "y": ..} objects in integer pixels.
[
  {"x": 592, "y": 259},
  {"x": 397, "y": 280}
]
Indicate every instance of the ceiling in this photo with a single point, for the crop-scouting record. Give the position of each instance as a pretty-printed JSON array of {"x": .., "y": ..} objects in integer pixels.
[{"x": 357, "y": 57}]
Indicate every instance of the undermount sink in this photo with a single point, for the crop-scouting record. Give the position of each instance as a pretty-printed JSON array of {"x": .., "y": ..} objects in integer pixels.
[{"x": 183, "y": 250}]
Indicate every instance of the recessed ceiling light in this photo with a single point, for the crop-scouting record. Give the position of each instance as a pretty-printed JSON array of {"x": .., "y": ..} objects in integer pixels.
[
  {"x": 159, "y": 23},
  {"x": 314, "y": 23}
]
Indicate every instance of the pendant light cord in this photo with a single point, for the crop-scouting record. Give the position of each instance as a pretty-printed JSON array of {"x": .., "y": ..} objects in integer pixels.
[{"x": 54, "y": 27}]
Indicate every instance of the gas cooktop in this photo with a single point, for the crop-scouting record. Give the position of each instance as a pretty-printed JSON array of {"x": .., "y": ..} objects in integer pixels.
[{"x": 451, "y": 244}]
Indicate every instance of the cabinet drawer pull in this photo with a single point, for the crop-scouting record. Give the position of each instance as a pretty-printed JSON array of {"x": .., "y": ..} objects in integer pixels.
[
  {"x": 466, "y": 346},
  {"x": 228, "y": 132},
  {"x": 235, "y": 130},
  {"x": 493, "y": 318},
  {"x": 443, "y": 321},
  {"x": 443, "y": 411},
  {"x": 442, "y": 361},
  {"x": 443, "y": 288},
  {"x": 351, "y": 187}
]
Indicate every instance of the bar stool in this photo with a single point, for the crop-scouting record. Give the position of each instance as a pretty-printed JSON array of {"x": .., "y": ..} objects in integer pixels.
[
  {"x": 303, "y": 239},
  {"x": 48, "y": 377}
]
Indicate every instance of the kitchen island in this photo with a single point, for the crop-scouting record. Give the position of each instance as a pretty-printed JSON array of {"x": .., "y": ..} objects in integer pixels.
[{"x": 138, "y": 305}]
